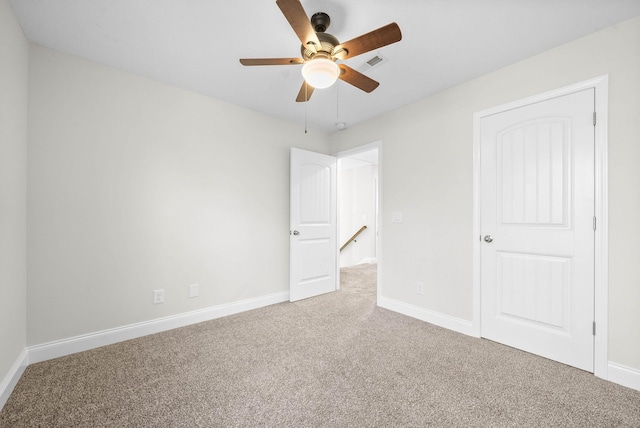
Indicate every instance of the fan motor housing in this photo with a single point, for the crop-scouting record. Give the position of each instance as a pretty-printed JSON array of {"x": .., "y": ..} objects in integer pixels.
[{"x": 327, "y": 43}]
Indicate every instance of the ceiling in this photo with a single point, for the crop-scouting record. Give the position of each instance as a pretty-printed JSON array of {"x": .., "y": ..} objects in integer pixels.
[{"x": 196, "y": 44}]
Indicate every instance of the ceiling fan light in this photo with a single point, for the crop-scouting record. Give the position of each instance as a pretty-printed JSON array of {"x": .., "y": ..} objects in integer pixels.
[{"x": 320, "y": 73}]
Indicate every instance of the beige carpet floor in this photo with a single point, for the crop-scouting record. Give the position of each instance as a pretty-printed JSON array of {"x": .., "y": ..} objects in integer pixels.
[{"x": 331, "y": 361}]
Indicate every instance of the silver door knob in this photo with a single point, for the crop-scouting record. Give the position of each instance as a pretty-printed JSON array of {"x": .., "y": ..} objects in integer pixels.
[
  {"x": 295, "y": 232},
  {"x": 488, "y": 238}
]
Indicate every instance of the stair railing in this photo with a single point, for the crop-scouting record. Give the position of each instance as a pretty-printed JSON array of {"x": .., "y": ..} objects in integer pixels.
[{"x": 353, "y": 238}]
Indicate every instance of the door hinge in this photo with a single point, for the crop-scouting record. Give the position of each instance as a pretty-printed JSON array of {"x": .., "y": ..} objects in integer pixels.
[
  {"x": 594, "y": 223},
  {"x": 594, "y": 118},
  {"x": 594, "y": 328}
]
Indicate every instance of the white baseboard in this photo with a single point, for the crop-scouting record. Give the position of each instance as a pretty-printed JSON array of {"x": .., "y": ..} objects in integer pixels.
[
  {"x": 11, "y": 379},
  {"x": 60, "y": 348},
  {"x": 441, "y": 320},
  {"x": 623, "y": 375}
]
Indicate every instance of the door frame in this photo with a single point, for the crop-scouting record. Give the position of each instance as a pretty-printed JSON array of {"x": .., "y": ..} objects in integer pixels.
[
  {"x": 600, "y": 85},
  {"x": 350, "y": 152}
]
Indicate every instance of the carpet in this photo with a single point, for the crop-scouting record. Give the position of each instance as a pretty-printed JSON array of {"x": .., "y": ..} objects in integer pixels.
[{"x": 334, "y": 360}]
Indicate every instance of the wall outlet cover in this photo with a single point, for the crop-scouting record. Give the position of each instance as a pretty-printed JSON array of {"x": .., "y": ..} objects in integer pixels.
[
  {"x": 194, "y": 290},
  {"x": 158, "y": 296}
]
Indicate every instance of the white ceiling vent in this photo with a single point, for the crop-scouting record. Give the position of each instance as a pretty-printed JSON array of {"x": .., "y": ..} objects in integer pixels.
[{"x": 373, "y": 62}]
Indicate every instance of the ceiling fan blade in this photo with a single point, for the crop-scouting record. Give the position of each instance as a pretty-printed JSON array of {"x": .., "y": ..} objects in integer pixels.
[
  {"x": 305, "y": 92},
  {"x": 271, "y": 61},
  {"x": 357, "y": 79},
  {"x": 375, "y": 39},
  {"x": 299, "y": 21}
]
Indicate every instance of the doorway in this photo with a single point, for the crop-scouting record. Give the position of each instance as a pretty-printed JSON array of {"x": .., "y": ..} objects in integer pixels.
[{"x": 359, "y": 207}]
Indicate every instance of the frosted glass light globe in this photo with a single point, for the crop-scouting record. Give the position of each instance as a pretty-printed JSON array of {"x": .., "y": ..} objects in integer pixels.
[{"x": 320, "y": 73}]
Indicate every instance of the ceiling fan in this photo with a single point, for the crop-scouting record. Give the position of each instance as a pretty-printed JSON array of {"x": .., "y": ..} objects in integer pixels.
[{"x": 321, "y": 51}]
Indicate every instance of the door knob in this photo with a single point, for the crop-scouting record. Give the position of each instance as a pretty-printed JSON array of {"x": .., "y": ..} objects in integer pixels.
[
  {"x": 295, "y": 232},
  {"x": 488, "y": 238}
]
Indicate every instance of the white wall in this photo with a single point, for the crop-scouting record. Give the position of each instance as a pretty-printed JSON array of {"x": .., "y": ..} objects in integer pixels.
[
  {"x": 13, "y": 186},
  {"x": 357, "y": 209},
  {"x": 135, "y": 185},
  {"x": 428, "y": 166}
]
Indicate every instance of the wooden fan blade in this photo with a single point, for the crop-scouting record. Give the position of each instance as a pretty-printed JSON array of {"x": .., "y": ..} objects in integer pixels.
[
  {"x": 299, "y": 21},
  {"x": 271, "y": 61},
  {"x": 305, "y": 92},
  {"x": 375, "y": 39},
  {"x": 357, "y": 79}
]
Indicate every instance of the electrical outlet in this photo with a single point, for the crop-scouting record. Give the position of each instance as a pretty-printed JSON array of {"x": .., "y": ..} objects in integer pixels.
[
  {"x": 194, "y": 290},
  {"x": 420, "y": 287},
  {"x": 158, "y": 296}
]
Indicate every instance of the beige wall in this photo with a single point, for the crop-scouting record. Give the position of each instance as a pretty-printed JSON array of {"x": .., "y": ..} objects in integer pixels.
[
  {"x": 13, "y": 188},
  {"x": 427, "y": 167},
  {"x": 135, "y": 185}
]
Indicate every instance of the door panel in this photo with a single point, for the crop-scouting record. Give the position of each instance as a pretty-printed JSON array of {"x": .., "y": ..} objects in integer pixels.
[
  {"x": 537, "y": 187},
  {"x": 532, "y": 172},
  {"x": 313, "y": 245},
  {"x": 534, "y": 289}
]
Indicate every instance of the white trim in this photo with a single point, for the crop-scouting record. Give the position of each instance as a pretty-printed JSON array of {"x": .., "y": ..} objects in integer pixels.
[
  {"x": 13, "y": 376},
  {"x": 476, "y": 313},
  {"x": 85, "y": 342},
  {"x": 350, "y": 152},
  {"x": 436, "y": 318},
  {"x": 601, "y": 273},
  {"x": 625, "y": 376},
  {"x": 601, "y": 88}
]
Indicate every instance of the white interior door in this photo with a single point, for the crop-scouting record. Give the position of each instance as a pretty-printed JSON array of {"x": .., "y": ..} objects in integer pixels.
[
  {"x": 313, "y": 221},
  {"x": 537, "y": 208}
]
